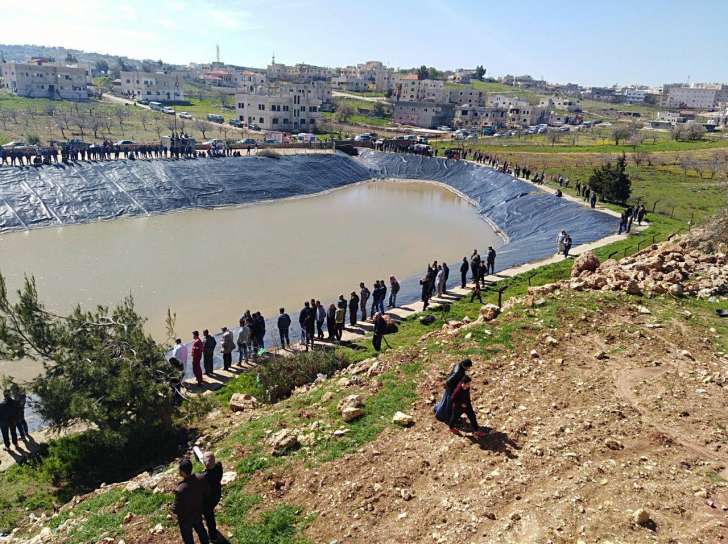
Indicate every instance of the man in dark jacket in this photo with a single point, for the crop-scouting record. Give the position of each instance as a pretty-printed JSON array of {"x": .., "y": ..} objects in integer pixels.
[
  {"x": 307, "y": 320},
  {"x": 189, "y": 500},
  {"x": 342, "y": 305},
  {"x": 8, "y": 420},
  {"x": 475, "y": 266},
  {"x": 209, "y": 344},
  {"x": 464, "y": 267},
  {"x": 457, "y": 374},
  {"x": 353, "y": 307},
  {"x": 461, "y": 404},
  {"x": 380, "y": 329},
  {"x": 212, "y": 476},
  {"x": 363, "y": 298},
  {"x": 490, "y": 261},
  {"x": 284, "y": 324}
]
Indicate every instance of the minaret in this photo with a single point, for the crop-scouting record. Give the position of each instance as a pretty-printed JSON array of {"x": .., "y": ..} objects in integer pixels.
[{"x": 217, "y": 51}]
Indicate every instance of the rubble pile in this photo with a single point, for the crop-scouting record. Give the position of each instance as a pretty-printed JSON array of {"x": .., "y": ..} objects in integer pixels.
[{"x": 674, "y": 268}]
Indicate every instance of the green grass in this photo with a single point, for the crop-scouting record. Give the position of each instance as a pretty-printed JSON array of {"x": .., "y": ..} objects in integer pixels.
[
  {"x": 23, "y": 490},
  {"x": 537, "y": 144}
]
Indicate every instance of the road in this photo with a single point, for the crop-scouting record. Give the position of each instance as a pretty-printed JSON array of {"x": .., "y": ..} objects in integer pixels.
[{"x": 379, "y": 99}]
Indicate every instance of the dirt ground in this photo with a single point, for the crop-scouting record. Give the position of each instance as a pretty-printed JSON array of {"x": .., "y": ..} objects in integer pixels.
[{"x": 614, "y": 411}]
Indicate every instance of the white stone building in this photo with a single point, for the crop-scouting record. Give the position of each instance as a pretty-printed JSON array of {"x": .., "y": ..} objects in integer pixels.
[
  {"x": 298, "y": 73},
  {"x": 464, "y": 94},
  {"x": 45, "y": 80},
  {"x": 155, "y": 87},
  {"x": 286, "y": 107},
  {"x": 422, "y": 114},
  {"x": 470, "y": 116},
  {"x": 410, "y": 89},
  {"x": 701, "y": 96},
  {"x": 249, "y": 80}
]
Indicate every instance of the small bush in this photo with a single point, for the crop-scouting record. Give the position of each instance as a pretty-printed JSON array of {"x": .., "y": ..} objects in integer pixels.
[{"x": 281, "y": 376}]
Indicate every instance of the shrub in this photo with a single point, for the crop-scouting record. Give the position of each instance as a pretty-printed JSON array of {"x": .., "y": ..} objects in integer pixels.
[{"x": 282, "y": 375}]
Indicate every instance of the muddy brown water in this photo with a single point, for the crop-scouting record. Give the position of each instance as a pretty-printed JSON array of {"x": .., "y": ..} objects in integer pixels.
[{"x": 208, "y": 266}]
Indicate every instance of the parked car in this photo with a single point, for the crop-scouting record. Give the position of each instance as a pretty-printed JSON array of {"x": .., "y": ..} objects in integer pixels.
[
  {"x": 253, "y": 127},
  {"x": 248, "y": 141},
  {"x": 168, "y": 110},
  {"x": 444, "y": 128},
  {"x": 235, "y": 123},
  {"x": 410, "y": 138},
  {"x": 125, "y": 144},
  {"x": 15, "y": 145},
  {"x": 213, "y": 143},
  {"x": 472, "y": 137},
  {"x": 215, "y": 118},
  {"x": 143, "y": 101},
  {"x": 421, "y": 140},
  {"x": 362, "y": 138},
  {"x": 184, "y": 115}
]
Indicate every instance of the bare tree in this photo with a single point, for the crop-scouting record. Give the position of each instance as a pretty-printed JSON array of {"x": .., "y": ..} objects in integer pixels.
[
  {"x": 203, "y": 127},
  {"x": 158, "y": 128},
  {"x": 685, "y": 163},
  {"x": 121, "y": 114},
  {"x": 716, "y": 163},
  {"x": 639, "y": 156},
  {"x": 95, "y": 122},
  {"x": 108, "y": 123},
  {"x": 621, "y": 133},
  {"x": 144, "y": 119},
  {"x": 553, "y": 137},
  {"x": 4, "y": 119}
]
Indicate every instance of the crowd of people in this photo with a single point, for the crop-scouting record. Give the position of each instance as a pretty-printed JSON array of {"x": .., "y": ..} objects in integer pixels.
[
  {"x": 177, "y": 146},
  {"x": 12, "y": 417}
]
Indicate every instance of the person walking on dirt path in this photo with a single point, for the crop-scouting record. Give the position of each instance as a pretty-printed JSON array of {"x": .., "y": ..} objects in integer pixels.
[
  {"x": 460, "y": 404},
  {"x": 209, "y": 343},
  {"x": 243, "y": 340},
  {"x": 458, "y": 371},
  {"x": 320, "y": 319},
  {"x": 8, "y": 420},
  {"x": 393, "y": 290},
  {"x": 464, "y": 267},
  {"x": 641, "y": 212},
  {"x": 212, "y": 476},
  {"x": 197, "y": 349},
  {"x": 353, "y": 307},
  {"x": 180, "y": 353},
  {"x": 189, "y": 500},
  {"x": 593, "y": 199},
  {"x": 227, "y": 347},
  {"x": 490, "y": 261},
  {"x": 364, "y": 294}
]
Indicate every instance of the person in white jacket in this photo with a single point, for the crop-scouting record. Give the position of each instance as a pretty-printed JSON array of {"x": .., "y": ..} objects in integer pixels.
[{"x": 180, "y": 353}]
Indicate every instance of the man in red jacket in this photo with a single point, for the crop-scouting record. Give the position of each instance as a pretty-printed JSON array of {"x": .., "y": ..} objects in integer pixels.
[
  {"x": 197, "y": 349},
  {"x": 461, "y": 405}
]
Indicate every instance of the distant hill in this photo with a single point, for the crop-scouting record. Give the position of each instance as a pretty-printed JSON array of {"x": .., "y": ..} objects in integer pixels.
[{"x": 23, "y": 52}]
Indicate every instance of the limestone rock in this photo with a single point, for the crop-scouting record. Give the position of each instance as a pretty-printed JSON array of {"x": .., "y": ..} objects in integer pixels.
[
  {"x": 241, "y": 402},
  {"x": 402, "y": 419},
  {"x": 585, "y": 262},
  {"x": 282, "y": 441},
  {"x": 351, "y": 407},
  {"x": 228, "y": 477},
  {"x": 489, "y": 312}
]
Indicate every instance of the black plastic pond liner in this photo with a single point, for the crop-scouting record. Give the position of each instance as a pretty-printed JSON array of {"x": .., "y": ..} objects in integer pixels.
[{"x": 529, "y": 218}]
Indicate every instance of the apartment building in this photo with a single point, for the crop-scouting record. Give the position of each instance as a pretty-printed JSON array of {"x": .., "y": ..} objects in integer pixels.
[
  {"x": 473, "y": 116},
  {"x": 463, "y": 94},
  {"x": 422, "y": 114},
  {"x": 410, "y": 89},
  {"x": 563, "y": 103},
  {"x": 461, "y": 75},
  {"x": 45, "y": 80},
  {"x": 351, "y": 82},
  {"x": 504, "y": 101},
  {"x": 286, "y": 107},
  {"x": 155, "y": 87},
  {"x": 524, "y": 115},
  {"x": 249, "y": 80},
  {"x": 298, "y": 73},
  {"x": 702, "y": 96}
]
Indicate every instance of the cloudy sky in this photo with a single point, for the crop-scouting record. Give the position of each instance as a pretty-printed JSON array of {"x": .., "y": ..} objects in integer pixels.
[{"x": 585, "y": 41}]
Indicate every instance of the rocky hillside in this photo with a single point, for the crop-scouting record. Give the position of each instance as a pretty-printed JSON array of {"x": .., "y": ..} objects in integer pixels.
[{"x": 605, "y": 400}]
